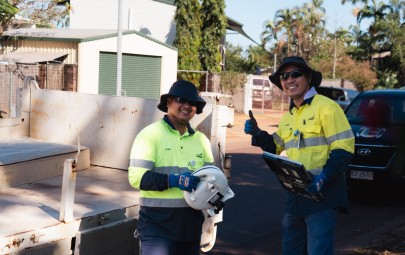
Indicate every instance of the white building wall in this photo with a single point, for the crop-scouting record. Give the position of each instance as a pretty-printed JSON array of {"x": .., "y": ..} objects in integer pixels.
[
  {"x": 89, "y": 57},
  {"x": 152, "y": 18}
]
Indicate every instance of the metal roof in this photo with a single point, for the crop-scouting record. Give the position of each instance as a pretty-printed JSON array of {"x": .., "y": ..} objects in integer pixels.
[
  {"x": 32, "y": 57},
  {"x": 72, "y": 35},
  {"x": 77, "y": 35},
  {"x": 84, "y": 35}
]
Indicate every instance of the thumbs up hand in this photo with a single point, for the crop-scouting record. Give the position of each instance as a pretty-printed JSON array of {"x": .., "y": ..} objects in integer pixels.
[{"x": 251, "y": 127}]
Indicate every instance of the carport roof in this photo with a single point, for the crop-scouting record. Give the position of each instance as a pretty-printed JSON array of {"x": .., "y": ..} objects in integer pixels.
[{"x": 238, "y": 27}]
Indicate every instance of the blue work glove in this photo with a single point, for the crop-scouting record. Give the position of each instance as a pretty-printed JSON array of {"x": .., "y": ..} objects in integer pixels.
[
  {"x": 184, "y": 181},
  {"x": 317, "y": 183},
  {"x": 251, "y": 127}
]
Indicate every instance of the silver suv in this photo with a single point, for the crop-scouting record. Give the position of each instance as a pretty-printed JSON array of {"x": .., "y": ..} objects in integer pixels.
[{"x": 342, "y": 96}]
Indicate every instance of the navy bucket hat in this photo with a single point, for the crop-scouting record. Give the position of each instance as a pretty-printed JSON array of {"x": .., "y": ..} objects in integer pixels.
[
  {"x": 316, "y": 77},
  {"x": 185, "y": 90}
]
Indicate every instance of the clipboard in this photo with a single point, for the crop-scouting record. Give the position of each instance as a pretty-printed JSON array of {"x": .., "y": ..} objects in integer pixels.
[{"x": 292, "y": 175}]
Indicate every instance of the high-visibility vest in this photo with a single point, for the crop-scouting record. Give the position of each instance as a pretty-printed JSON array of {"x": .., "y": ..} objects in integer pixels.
[
  {"x": 309, "y": 133},
  {"x": 161, "y": 149}
]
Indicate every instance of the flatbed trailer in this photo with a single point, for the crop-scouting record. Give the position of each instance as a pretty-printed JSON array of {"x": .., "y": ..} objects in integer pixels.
[
  {"x": 63, "y": 171},
  {"x": 104, "y": 216}
]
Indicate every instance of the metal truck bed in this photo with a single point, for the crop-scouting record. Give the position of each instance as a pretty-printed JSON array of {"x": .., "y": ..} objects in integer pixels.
[
  {"x": 23, "y": 160},
  {"x": 31, "y": 180},
  {"x": 30, "y": 212}
]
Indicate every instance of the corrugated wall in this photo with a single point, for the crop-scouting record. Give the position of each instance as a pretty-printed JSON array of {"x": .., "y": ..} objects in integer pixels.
[{"x": 69, "y": 48}]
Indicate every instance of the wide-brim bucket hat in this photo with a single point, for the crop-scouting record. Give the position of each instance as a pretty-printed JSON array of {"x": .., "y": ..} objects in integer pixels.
[
  {"x": 316, "y": 77},
  {"x": 184, "y": 89}
]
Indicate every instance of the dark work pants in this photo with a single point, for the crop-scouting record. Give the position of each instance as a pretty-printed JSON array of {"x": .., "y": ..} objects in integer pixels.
[
  {"x": 160, "y": 246},
  {"x": 309, "y": 235}
]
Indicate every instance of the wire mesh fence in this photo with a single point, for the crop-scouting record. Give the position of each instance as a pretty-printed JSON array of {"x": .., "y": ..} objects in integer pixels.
[{"x": 16, "y": 76}]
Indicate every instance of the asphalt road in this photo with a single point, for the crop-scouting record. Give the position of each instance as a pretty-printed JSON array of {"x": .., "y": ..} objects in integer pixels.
[{"x": 252, "y": 219}]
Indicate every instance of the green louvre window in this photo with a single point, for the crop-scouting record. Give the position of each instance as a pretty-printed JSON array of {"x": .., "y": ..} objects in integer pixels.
[{"x": 140, "y": 75}]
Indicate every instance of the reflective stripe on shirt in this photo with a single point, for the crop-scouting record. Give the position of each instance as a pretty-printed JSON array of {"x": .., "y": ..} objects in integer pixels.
[
  {"x": 141, "y": 163},
  {"x": 340, "y": 136},
  {"x": 306, "y": 142},
  {"x": 162, "y": 170},
  {"x": 163, "y": 202},
  {"x": 278, "y": 140}
]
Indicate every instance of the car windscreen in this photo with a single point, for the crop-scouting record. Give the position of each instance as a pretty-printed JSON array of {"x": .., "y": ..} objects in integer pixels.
[
  {"x": 352, "y": 94},
  {"x": 377, "y": 111}
]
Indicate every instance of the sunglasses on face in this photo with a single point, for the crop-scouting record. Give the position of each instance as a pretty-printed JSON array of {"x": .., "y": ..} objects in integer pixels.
[
  {"x": 182, "y": 100},
  {"x": 293, "y": 74}
]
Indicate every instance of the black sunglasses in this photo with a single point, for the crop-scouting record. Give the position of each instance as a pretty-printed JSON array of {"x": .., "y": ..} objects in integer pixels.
[
  {"x": 182, "y": 100},
  {"x": 292, "y": 74}
]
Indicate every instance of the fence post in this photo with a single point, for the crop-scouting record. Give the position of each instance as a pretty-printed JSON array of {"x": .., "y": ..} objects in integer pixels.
[
  {"x": 10, "y": 102},
  {"x": 68, "y": 191}
]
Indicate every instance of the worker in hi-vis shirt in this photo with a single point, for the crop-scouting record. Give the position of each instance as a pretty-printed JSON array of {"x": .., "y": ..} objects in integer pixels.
[{"x": 162, "y": 159}]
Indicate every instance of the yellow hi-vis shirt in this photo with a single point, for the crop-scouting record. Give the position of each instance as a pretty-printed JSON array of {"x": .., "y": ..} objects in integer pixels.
[
  {"x": 312, "y": 131},
  {"x": 161, "y": 149}
]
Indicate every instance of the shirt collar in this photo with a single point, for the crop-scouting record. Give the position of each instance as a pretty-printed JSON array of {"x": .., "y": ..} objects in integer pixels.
[
  {"x": 190, "y": 130},
  {"x": 308, "y": 97}
]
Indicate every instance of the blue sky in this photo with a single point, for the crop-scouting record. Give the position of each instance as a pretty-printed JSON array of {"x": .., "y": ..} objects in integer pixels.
[{"x": 253, "y": 14}]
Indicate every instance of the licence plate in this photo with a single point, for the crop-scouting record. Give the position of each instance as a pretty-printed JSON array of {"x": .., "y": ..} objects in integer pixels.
[{"x": 362, "y": 175}]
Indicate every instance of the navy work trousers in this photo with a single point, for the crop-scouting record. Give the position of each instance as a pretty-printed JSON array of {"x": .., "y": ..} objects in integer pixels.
[
  {"x": 313, "y": 234},
  {"x": 153, "y": 245}
]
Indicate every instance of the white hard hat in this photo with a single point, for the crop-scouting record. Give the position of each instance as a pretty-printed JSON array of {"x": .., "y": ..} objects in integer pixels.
[{"x": 212, "y": 191}]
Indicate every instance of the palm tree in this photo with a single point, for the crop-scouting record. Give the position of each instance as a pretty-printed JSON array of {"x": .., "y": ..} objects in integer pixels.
[
  {"x": 297, "y": 30},
  {"x": 385, "y": 33},
  {"x": 377, "y": 11},
  {"x": 281, "y": 29},
  {"x": 310, "y": 27}
]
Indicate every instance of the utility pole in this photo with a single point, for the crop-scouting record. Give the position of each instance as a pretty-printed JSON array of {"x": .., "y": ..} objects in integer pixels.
[
  {"x": 334, "y": 53},
  {"x": 119, "y": 50},
  {"x": 334, "y": 59}
]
